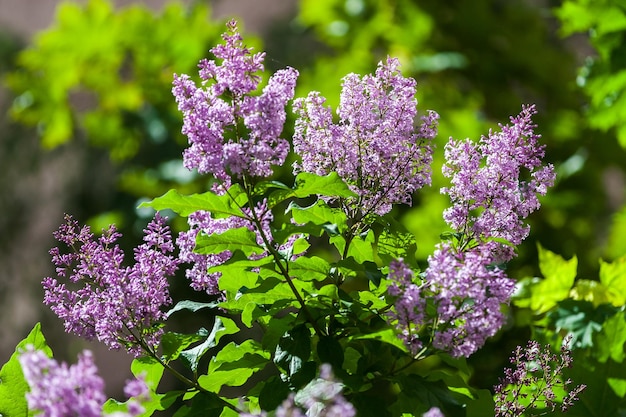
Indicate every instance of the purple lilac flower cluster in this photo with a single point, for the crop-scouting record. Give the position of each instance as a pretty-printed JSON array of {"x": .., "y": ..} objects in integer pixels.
[
  {"x": 410, "y": 305},
  {"x": 120, "y": 306},
  {"x": 542, "y": 370},
  {"x": 232, "y": 132},
  {"x": 464, "y": 277},
  {"x": 490, "y": 199},
  {"x": 468, "y": 292},
  {"x": 203, "y": 222},
  {"x": 496, "y": 182},
  {"x": 375, "y": 147},
  {"x": 59, "y": 390}
]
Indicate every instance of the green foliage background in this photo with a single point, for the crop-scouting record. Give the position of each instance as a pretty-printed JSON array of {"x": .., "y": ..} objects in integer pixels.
[{"x": 103, "y": 76}]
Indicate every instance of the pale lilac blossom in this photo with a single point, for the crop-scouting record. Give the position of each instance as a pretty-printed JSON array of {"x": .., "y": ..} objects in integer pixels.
[
  {"x": 375, "y": 147},
  {"x": 496, "y": 182},
  {"x": 409, "y": 307},
  {"x": 468, "y": 291},
  {"x": 59, "y": 390},
  {"x": 495, "y": 186},
  {"x": 101, "y": 298},
  {"x": 231, "y": 130},
  {"x": 322, "y": 397}
]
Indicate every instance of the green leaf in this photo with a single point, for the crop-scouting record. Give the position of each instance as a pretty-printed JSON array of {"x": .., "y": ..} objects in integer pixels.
[
  {"x": 483, "y": 405},
  {"x": 581, "y": 319},
  {"x": 610, "y": 342},
  {"x": 150, "y": 368},
  {"x": 192, "y": 306},
  {"x": 173, "y": 344},
  {"x": 309, "y": 268},
  {"x": 418, "y": 395},
  {"x": 361, "y": 248},
  {"x": 242, "y": 239},
  {"x": 599, "y": 398},
  {"x": 386, "y": 336},
  {"x": 293, "y": 349},
  {"x": 262, "y": 187},
  {"x": 329, "y": 350},
  {"x": 308, "y": 184},
  {"x": 559, "y": 275},
  {"x": 330, "y": 185},
  {"x": 219, "y": 206},
  {"x": 276, "y": 327},
  {"x": 592, "y": 291},
  {"x": 395, "y": 242},
  {"x": 234, "y": 365},
  {"x": 273, "y": 393},
  {"x": 613, "y": 276},
  {"x": 366, "y": 270},
  {"x": 157, "y": 402},
  {"x": 13, "y": 386},
  {"x": 618, "y": 385},
  {"x": 221, "y": 327},
  {"x": 204, "y": 404},
  {"x": 333, "y": 220}
]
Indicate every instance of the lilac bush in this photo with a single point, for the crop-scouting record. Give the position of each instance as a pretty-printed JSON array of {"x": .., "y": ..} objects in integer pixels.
[{"x": 320, "y": 270}]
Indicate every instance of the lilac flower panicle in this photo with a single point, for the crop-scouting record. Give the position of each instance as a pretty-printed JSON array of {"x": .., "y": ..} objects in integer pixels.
[
  {"x": 468, "y": 292},
  {"x": 59, "y": 390},
  {"x": 118, "y": 305},
  {"x": 409, "y": 307},
  {"x": 536, "y": 373},
  {"x": 215, "y": 112},
  {"x": 375, "y": 147},
  {"x": 495, "y": 183}
]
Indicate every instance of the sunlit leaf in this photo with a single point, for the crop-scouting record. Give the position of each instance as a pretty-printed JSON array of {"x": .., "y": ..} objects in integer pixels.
[
  {"x": 219, "y": 206},
  {"x": 13, "y": 386}
]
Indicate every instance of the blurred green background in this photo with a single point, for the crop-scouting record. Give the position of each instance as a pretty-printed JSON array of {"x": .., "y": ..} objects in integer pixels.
[{"x": 89, "y": 126}]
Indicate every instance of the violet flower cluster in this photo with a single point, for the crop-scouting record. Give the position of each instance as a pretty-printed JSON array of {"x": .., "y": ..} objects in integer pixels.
[
  {"x": 467, "y": 296},
  {"x": 203, "y": 222},
  {"x": 118, "y": 305},
  {"x": 231, "y": 131},
  {"x": 496, "y": 182},
  {"x": 490, "y": 200},
  {"x": 468, "y": 291},
  {"x": 537, "y": 367},
  {"x": 59, "y": 390},
  {"x": 410, "y": 305},
  {"x": 375, "y": 147}
]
